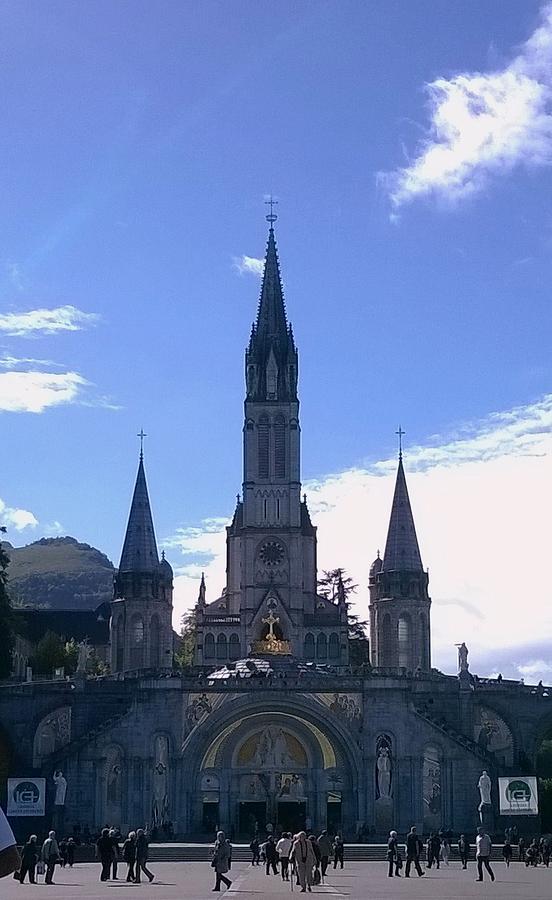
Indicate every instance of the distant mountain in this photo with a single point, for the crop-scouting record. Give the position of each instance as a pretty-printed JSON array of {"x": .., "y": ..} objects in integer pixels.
[{"x": 59, "y": 573}]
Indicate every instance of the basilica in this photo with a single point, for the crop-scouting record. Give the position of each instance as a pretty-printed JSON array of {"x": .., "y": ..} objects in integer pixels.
[{"x": 272, "y": 724}]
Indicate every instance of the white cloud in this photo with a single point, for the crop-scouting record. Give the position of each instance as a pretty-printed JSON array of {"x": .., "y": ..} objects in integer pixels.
[
  {"x": 54, "y": 529},
  {"x": 46, "y": 321},
  {"x": 481, "y": 502},
  {"x": 18, "y": 362},
  {"x": 483, "y": 124},
  {"x": 249, "y": 265},
  {"x": 535, "y": 669},
  {"x": 36, "y": 391},
  {"x": 12, "y": 517}
]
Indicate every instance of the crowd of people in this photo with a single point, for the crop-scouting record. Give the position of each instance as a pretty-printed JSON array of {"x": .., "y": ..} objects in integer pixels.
[
  {"x": 110, "y": 850},
  {"x": 302, "y": 857}
]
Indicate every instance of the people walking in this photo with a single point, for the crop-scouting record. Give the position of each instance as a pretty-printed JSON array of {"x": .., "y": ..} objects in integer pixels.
[
  {"x": 302, "y": 853},
  {"x": 507, "y": 852},
  {"x": 104, "y": 852},
  {"x": 392, "y": 854},
  {"x": 29, "y": 859},
  {"x": 325, "y": 847},
  {"x": 129, "y": 855},
  {"x": 271, "y": 856},
  {"x": 255, "y": 848},
  {"x": 50, "y": 856},
  {"x": 115, "y": 852},
  {"x": 316, "y": 878},
  {"x": 433, "y": 850},
  {"x": 414, "y": 848},
  {"x": 142, "y": 856},
  {"x": 483, "y": 849},
  {"x": 70, "y": 852},
  {"x": 222, "y": 860},
  {"x": 283, "y": 848},
  {"x": 339, "y": 851},
  {"x": 521, "y": 849},
  {"x": 463, "y": 850}
]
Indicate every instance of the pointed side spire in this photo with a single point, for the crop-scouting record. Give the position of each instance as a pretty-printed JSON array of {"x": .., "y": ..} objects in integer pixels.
[
  {"x": 140, "y": 547},
  {"x": 271, "y": 316},
  {"x": 202, "y": 591},
  {"x": 401, "y": 550}
]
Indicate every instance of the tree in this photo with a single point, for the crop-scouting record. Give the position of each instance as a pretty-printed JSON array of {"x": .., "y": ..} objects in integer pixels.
[
  {"x": 50, "y": 654},
  {"x": 184, "y": 656},
  {"x": 7, "y": 640},
  {"x": 331, "y": 583}
]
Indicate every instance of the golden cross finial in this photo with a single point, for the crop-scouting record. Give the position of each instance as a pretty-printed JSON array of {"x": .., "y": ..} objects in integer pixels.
[
  {"x": 141, "y": 434},
  {"x": 271, "y": 621},
  {"x": 271, "y": 218},
  {"x": 400, "y": 433}
]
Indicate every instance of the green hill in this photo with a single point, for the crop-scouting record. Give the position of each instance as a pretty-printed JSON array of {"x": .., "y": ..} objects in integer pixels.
[{"x": 59, "y": 573}]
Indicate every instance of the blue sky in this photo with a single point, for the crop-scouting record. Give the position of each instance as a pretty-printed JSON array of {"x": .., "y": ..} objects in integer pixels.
[{"x": 408, "y": 144}]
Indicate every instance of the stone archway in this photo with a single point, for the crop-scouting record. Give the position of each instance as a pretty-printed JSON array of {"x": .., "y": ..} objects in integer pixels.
[{"x": 276, "y": 763}]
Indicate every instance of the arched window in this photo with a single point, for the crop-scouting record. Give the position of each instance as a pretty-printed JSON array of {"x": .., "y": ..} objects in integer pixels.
[
  {"x": 222, "y": 647},
  {"x": 321, "y": 647},
  {"x": 155, "y": 643},
  {"x": 387, "y": 655},
  {"x": 119, "y": 645},
  {"x": 403, "y": 636},
  {"x": 309, "y": 646},
  {"x": 431, "y": 788},
  {"x": 279, "y": 447},
  {"x": 209, "y": 646},
  {"x": 334, "y": 646},
  {"x": 137, "y": 642},
  {"x": 234, "y": 646},
  {"x": 262, "y": 446}
]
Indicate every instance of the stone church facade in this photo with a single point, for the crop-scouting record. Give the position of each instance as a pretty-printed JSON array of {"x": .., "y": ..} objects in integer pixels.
[{"x": 272, "y": 724}]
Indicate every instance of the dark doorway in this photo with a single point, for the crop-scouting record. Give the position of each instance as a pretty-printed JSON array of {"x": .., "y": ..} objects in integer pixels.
[
  {"x": 252, "y": 818},
  {"x": 544, "y": 773},
  {"x": 292, "y": 815},
  {"x": 333, "y": 813},
  {"x": 210, "y": 816}
]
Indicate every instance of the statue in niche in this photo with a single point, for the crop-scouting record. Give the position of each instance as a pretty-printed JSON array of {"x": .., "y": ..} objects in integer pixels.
[
  {"x": 160, "y": 803},
  {"x": 383, "y": 765},
  {"x": 114, "y": 784},
  {"x": 84, "y": 654},
  {"x": 484, "y": 785},
  {"x": 61, "y": 788}
]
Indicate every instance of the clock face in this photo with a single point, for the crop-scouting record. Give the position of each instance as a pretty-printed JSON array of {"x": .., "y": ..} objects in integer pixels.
[{"x": 272, "y": 553}]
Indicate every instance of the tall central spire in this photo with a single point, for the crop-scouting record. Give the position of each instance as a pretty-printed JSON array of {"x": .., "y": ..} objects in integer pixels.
[
  {"x": 402, "y": 552},
  {"x": 271, "y": 316},
  {"x": 140, "y": 547}
]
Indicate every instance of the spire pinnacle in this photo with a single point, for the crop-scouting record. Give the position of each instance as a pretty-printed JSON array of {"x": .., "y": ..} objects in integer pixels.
[
  {"x": 400, "y": 433},
  {"x": 140, "y": 547},
  {"x": 402, "y": 552},
  {"x": 202, "y": 591},
  {"x": 272, "y": 217},
  {"x": 141, "y": 434}
]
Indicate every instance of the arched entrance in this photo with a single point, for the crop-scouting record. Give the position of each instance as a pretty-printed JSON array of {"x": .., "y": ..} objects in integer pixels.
[{"x": 281, "y": 769}]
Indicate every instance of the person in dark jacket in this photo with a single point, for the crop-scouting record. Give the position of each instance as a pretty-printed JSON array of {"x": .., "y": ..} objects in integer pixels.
[
  {"x": 116, "y": 852},
  {"x": 29, "y": 859},
  {"x": 129, "y": 855},
  {"x": 463, "y": 850},
  {"x": 70, "y": 852},
  {"x": 63, "y": 853},
  {"x": 142, "y": 856},
  {"x": 271, "y": 856},
  {"x": 507, "y": 853},
  {"x": 433, "y": 850},
  {"x": 104, "y": 852},
  {"x": 325, "y": 846},
  {"x": 255, "y": 848},
  {"x": 392, "y": 854},
  {"x": 413, "y": 850}
]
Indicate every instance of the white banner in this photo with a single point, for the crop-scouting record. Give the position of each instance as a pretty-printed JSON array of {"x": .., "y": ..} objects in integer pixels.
[
  {"x": 26, "y": 796},
  {"x": 518, "y": 796}
]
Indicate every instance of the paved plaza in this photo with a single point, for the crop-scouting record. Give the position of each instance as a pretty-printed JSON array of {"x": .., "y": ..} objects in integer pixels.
[{"x": 357, "y": 881}]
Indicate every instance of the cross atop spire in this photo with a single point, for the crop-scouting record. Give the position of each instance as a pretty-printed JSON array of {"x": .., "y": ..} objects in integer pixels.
[
  {"x": 141, "y": 434},
  {"x": 272, "y": 217},
  {"x": 400, "y": 433}
]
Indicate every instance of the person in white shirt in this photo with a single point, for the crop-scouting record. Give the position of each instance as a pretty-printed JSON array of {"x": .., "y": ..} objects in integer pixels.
[
  {"x": 483, "y": 848},
  {"x": 9, "y": 857},
  {"x": 284, "y": 849}
]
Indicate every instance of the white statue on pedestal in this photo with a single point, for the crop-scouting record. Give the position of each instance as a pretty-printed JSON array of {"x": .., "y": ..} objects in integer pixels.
[
  {"x": 484, "y": 785},
  {"x": 61, "y": 788}
]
